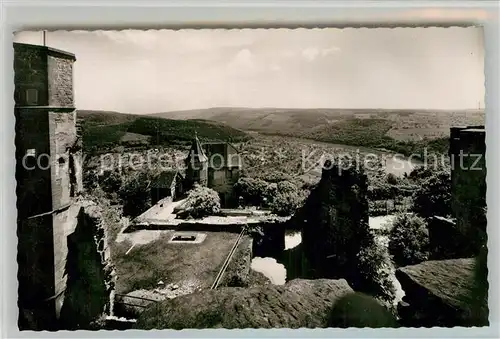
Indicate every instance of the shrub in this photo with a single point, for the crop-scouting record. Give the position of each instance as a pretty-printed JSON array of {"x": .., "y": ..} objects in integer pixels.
[
  {"x": 250, "y": 190},
  {"x": 286, "y": 199},
  {"x": 434, "y": 196},
  {"x": 200, "y": 202},
  {"x": 408, "y": 240},
  {"x": 285, "y": 204},
  {"x": 110, "y": 181},
  {"x": 392, "y": 179},
  {"x": 374, "y": 269},
  {"x": 420, "y": 172},
  {"x": 135, "y": 194},
  {"x": 269, "y": 194}
]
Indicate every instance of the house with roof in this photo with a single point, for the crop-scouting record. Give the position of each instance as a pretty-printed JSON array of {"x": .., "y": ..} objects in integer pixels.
[
  {"x": 216, "y": 165},
  {"x": 167, "y": 184}
]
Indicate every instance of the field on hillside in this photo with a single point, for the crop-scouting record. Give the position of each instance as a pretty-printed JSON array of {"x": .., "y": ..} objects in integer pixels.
[
  {"x": 275, "y": 158},
  {"x": 103, "y": 131},
  {"x": 403, "y": 131}
]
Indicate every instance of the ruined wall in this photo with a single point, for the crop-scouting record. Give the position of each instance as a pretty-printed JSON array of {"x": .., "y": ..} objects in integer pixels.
[
  {"x": 238, "y": 271},
  {"x": 62, "y": 137},
  {"x": 334, "y": 220},
  {"x": 64, "y": 224},
  {"x": 35, "y": 273},
  {"x": 60, "y": 80},
  {"x": 468, "y": 178},
  {"x": 90, "y": 274},
  {"x": 445, "y": 240},
  {"x": 443, "y": 293},
  {"x": 60, "y": 254}
]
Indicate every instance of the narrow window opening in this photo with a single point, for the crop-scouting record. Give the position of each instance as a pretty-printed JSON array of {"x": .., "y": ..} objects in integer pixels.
[
  {"x": 72, "y": 176},
  {"x": 32, "y": 96}
]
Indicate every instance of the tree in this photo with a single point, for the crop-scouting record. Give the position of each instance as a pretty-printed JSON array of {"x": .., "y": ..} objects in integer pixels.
[
  {"x": 433, "y": 198},
  {"x": 392, "y": 179},
  {"x": 110, "y": 181},
  {"x": 286, "y": 199},
  {"x": 374, "y": 271},
  {"x": 408, "y": 240},
  {"x": 135, "y": 194},
  {"x": 251, "y": 190},
  {"x": 200, "y": 202}
]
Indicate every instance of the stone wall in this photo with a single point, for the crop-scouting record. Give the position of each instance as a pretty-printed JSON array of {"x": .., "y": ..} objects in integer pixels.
[
  {"x": 269, "y": 240},
  {"x": 443, "y": 293},
  {"x": 64, "y": 224},
  {"x": 33, "y": 173},
  {"x": 30, "y": 65},
  {"x": 90, "y": 283},
  {"x": 238, "y": 271},
  {"x": 35, "y": 274},
  {"x": 298, "y": 303},
  {"x": 445, "y": 239},
  {"x": 62, "y": 137},
  {"x": 60, "y": 80},
  {"x": 468, "y": 178},
  {"x": 334, "y": 220}
]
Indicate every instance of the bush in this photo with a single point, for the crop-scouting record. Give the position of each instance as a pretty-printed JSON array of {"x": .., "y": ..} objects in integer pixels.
[
  {"x": 374, "y": 269},
  {"x": 392, "y": 179},
  {"x": 135, "y": 194},
  {"x": 433, "y": 198},
  {"x": 286, "y": 199},
  {"x": 408, "y": 240},
  {"x": 200, "y": 202},
  {"x": 285, "y": 204},
  {"x": 110, "y": 181},
  {"x": 250, "y": 190}
]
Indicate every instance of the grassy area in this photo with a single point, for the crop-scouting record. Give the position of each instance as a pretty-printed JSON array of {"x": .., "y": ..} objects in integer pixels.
[{"x": 149, "y": 263}]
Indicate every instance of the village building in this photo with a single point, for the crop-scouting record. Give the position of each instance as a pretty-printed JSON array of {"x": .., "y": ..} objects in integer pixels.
[
  {"x": 167, "y": 184},
  {"x": 216, "y": 165}
]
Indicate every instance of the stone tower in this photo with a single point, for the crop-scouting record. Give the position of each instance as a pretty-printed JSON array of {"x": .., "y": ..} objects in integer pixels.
[
  {"x": 196, "y": 164},
  {"x": 468, "y": 189},
  {"x": 48, "y": 175}
]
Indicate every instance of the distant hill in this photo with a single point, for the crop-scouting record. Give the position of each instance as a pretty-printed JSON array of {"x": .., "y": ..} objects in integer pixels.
[
  {"x": 402, "y": 124},
  {"x": 399, "y": 130},
  {"x": 104, "y": 130}
]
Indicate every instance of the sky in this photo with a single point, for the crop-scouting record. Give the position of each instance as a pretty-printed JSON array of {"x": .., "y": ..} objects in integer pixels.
[{"x": 134, "y": 71}]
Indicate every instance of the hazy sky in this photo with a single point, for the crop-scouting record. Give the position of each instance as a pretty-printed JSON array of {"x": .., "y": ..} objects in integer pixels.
[{"x": 163, "y": 70}]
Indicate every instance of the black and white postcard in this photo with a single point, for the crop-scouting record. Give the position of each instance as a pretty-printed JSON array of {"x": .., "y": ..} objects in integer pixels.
[{"x": 251, "y": 178}]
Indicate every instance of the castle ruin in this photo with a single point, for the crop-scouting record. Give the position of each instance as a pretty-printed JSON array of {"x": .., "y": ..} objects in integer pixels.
[{"x": 49, "y": 183}]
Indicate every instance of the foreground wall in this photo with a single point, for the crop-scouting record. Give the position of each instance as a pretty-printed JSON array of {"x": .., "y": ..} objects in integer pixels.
[{"x": 444, "y": 293}]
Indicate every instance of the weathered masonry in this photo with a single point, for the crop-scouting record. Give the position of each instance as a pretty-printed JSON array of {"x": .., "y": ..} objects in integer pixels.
[
  {"x": 468, "y": 176},
  {"x": 49, "y": 181}
]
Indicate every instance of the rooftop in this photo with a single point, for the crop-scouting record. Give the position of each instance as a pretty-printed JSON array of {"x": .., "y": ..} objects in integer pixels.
[
  {"x": 49, "y": 50},
  {"x": 165, "y": 179}
]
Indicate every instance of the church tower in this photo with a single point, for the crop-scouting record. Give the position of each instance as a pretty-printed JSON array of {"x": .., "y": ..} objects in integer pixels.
[{"x": 197, "y": 164}]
